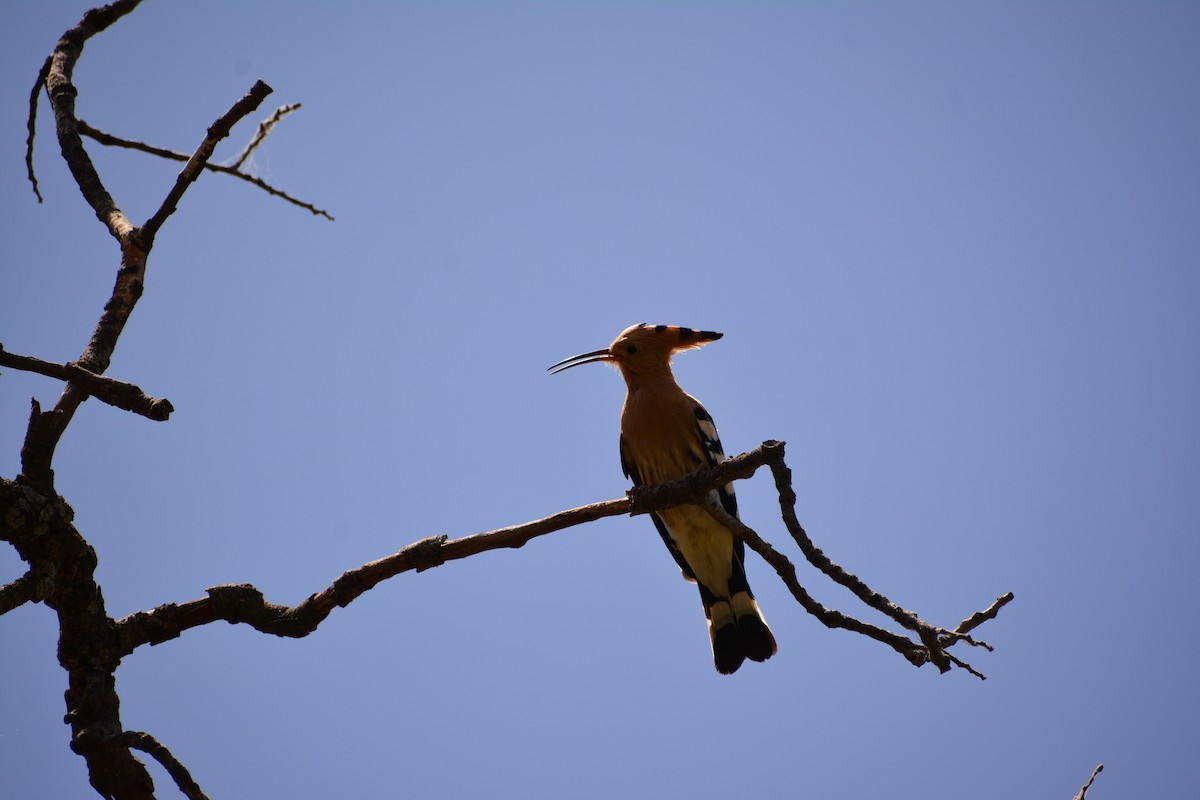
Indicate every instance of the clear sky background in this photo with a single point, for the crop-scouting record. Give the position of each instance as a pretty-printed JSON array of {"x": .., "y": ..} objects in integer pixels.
[{"x": 954, "y": 251}]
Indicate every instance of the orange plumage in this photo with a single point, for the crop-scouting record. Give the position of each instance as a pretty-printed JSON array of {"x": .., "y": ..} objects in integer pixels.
[{"x": 667, "y": 434}]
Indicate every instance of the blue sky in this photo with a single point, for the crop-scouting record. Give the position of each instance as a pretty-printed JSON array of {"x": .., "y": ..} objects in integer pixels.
[{"x": 953, "y": 248}]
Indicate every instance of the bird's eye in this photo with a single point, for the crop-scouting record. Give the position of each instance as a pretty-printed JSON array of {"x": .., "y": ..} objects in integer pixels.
[{"x": 631, "y": 349}]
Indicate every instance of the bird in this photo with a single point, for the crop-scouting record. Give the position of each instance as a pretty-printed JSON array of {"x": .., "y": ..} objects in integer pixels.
[{"x": 667, "y": 434}]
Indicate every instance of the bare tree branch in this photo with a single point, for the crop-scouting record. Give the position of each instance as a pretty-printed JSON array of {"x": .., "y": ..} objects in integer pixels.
[
  {"x": 62, "y": 99},
  {"x": 24, "y": 589},
  {"x": 46, "y": 429},
  {"x": 245, "y": 604},
  {"x": 191, "y": 171},
  {"x": 264, "y": 128},
  {"x": 85, "y": 129},
  {"x": 35, "y": 519},
  {"x": 125, "y": 396},
  {"x": 38, "y": 525},
  {"x": 116, "y": 141},
  {"x": 934, "y": 639},
  {"x": 1083, "y": 792},
  {"x": 787, "y": 505},
  {"x": 151, "y": 746},
  {"x": 915, "y": 654},
  {"x": 975, "y": 620},
  {"x": 31, "y": 125}
]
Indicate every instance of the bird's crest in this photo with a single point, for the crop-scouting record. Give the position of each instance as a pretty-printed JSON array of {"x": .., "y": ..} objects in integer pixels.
[{"x": 643, "y": 344}]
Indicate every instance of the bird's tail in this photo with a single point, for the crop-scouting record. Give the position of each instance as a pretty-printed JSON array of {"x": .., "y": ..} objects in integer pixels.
[{"x": 738, "y": 630}]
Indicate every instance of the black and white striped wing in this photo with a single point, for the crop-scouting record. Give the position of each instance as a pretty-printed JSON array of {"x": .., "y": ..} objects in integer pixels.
[{"x": 715, "y": 453}]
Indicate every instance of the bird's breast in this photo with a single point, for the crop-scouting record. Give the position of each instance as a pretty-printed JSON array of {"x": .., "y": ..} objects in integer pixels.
[{"x": 661, "y": 435}]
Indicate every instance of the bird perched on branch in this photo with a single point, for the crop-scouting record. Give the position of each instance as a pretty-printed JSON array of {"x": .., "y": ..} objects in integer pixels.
[{"x": 665, "y": 435}]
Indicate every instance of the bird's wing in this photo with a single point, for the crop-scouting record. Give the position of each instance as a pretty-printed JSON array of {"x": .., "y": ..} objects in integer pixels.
[
  {"x": 631, "y": 472},
  {"x": 714, "y": 453}
]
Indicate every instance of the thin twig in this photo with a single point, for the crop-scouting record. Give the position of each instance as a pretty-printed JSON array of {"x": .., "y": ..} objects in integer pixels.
[
  {"x": 1083, "y": 792},
  {"x": 958, "y": 662},
  {"x": 978, "y": 618},
  {"x": 934, "y": 639},
  {"x": 31, "y": 124},
  {"x": 816, "y": 557},
  {"x": 116, "y": 141},
  {"x": 264, "y": 128},
  {"x": 158, "y": 751},
  {"x": 116, "y": 393},
  {"x": 787, "y": 572}
]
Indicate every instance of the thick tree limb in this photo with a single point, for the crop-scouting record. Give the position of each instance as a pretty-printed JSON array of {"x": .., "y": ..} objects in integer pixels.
[
  {"x": 35, "y": 520},
  {"x": 39, "y": 526},
  {"x": 125, "y": 396}
]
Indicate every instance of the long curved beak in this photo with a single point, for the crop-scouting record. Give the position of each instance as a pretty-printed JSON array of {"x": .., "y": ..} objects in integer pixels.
[{"x": 582, "y": 358}]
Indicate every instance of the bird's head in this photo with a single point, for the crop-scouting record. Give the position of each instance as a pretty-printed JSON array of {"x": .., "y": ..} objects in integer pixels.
[{"x": 642, "y": 350}]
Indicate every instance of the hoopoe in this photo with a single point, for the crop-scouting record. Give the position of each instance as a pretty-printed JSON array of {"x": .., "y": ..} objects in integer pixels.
[{"x": 666, "y": 434}]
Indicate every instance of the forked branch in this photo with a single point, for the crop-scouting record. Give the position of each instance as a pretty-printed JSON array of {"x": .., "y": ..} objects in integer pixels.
[
  {"x": 260, "y": 135},
  {"x": 199, "y": 159},
  {"x": 46, "y": 428},
  {"x": 156, "y": 750},
  {"x": 234, "y": 170},
  {"x": 246, "y": 604}
]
